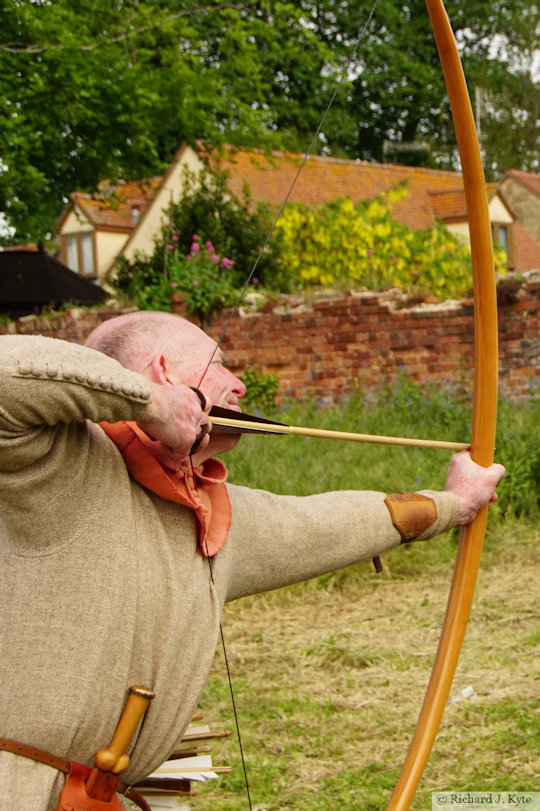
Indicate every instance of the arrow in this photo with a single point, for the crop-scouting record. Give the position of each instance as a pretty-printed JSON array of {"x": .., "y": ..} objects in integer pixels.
[{"x": 225, "y": 419}]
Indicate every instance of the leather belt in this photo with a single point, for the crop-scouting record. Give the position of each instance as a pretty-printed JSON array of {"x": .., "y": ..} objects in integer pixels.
[
  {"x": 34, "y": 753},
  {"x": 63, "y": 765}
]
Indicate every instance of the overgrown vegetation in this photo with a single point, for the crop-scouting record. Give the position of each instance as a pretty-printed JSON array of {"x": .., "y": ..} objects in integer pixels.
[
  {"x": 208, "y": 216},
  {"x": 329, "y": 675},
  {"x": 338, "y": 245},
  {"x": 206, "y": 251},
  {"x": 363, "y": 246},
  {"x": 202, "y": 278},
  {"x": 237, "y": 228}
]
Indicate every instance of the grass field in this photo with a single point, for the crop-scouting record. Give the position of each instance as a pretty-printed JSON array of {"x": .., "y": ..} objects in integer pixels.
[{"x": 329, "y": 675}]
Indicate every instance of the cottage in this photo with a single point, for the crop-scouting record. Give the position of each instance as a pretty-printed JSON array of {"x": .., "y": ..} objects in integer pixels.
[{"x": 125, "y": 219}]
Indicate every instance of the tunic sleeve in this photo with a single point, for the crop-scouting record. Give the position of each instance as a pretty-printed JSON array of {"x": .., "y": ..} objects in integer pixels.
[
  {"x": 55, "y": 463},
  {"x": 45, "y": 382},
  {"x": 279, "y": 540}
]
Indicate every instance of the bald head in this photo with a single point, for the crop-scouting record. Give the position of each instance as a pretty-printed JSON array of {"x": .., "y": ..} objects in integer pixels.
[
  {"x": 170, "y": 351},
  {"x": 134, "y": 339}
]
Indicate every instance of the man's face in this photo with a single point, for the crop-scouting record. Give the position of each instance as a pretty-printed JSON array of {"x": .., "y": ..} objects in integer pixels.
[{"x": 213, "y": 379}]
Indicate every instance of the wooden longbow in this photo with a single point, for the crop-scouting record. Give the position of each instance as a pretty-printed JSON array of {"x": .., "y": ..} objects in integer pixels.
[{"x": 484, "y": 411}]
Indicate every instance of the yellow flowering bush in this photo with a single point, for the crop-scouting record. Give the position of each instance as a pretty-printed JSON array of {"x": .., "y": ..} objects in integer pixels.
[{"x": 346, "y": 246}]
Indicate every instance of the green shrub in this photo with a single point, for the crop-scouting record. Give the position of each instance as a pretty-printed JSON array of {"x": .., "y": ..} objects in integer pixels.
[
  {"x": 261, "y": 390},
  {"x": 363, "y": 246},
  {"x": 202, "y": 277},
  {"x": 236, "y": 228}
]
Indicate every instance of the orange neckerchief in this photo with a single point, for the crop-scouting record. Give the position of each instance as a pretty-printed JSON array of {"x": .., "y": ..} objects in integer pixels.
[{"x": 201, "y": 488}]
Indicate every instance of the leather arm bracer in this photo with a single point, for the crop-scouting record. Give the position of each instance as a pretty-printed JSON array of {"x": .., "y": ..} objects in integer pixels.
[{"x": 411, "y": 514}]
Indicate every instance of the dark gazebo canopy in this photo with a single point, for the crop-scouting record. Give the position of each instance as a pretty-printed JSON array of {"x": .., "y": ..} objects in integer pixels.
[{"x": 32, "y": 280}]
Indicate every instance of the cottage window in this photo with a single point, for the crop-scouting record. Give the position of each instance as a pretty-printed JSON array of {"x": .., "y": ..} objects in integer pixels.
[
  {"x": 79, "y": 253},
  {"x": 503, "y": 237},
  {"x": 87, "y": 254},
  {"x": 72, "y": 254}
]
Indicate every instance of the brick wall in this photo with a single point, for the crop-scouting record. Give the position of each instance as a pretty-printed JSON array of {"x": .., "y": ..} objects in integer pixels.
[{"x": 328, "y": 345}]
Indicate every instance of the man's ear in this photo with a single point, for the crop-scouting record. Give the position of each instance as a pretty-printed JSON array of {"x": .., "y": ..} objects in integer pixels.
[{"x": 160, "y": 370}]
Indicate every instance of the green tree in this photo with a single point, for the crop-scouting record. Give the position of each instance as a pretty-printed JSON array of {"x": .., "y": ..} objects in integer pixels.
[
  {"x": 510, "y": 126},
  {"x": 398, "y": 94},
  {"x": 110, "y": 90},
  {"x": 501, "y": 51},
  {"x": 94, "y": 90}
]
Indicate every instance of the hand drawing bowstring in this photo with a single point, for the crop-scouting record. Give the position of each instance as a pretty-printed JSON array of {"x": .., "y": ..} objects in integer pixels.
[{"x": 485, "y": 397}]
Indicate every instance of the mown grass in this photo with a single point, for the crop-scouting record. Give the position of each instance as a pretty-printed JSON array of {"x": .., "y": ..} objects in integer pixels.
[{"x": 329, "y": 675}]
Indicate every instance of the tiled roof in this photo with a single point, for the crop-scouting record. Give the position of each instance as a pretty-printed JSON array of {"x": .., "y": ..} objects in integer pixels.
[
  {"x": 526, "y": 250},
  {"x": 529, "y": 180},
  {"x": 448, "y": 205},
  {"x": 433, "y": 194},
  {"x": 114, "y": 209},
  {"x": 323, "y": 179}
]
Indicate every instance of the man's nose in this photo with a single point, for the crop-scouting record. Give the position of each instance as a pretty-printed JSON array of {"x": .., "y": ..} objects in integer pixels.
[{"x": 238, "y": 387}]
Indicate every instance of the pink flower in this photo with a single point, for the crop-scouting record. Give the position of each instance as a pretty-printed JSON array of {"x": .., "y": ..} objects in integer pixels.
[
  {"x": 209, "y": 247},
  {"x": 195, "y": 237},
  {"x": 174, "y": 238},
  {"x": 194, "y": 248},
  {"x": 195, "y": 283},
  {"x": 170, "y": 247},
  {"x": 173, "y": 285},
  {"x": 255, "y": 281},
  {"x": 370, "y": 251},
  {"x": 215, "y": 259},
  {"x": 227, "y": 264}
]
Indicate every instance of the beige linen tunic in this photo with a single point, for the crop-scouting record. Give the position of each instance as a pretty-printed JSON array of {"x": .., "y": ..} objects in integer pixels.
[{"x": 103, "y": 586}]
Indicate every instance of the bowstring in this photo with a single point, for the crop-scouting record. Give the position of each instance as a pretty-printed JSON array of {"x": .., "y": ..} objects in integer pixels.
[
  {"x": 229, "y": 679},
  {"x": 225, "y": 657},
  {"x": 234, "y": 310}
]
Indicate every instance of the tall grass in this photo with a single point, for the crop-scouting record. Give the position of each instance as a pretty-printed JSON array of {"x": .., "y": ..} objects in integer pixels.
[{"x": 303, "y": 465}]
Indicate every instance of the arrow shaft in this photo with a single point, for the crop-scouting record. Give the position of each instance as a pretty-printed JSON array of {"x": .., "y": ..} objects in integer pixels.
[{"x": 342, "y": 435}]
